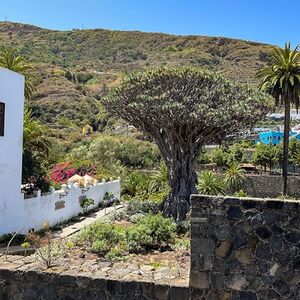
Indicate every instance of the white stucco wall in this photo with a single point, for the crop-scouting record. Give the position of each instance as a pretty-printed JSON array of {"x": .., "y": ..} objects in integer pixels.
[
  {"x": 12, "y": 94},
  {"x": 39, "y": 210},
  {"x": 17, "y": 213},
  {"x": 36, "y": 211}
]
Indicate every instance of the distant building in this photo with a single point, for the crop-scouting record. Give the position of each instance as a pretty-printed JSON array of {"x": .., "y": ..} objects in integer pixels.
[{"x": 275, "y": 137}]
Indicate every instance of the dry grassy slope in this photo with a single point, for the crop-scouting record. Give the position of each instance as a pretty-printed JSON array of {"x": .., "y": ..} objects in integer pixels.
[{"x": 107, "y": 54}]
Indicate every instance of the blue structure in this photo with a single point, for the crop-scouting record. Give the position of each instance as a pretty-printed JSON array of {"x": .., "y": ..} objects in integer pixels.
[{"x": 275, "y": 137}]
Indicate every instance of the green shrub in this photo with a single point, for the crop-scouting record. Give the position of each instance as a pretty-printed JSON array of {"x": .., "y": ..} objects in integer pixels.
[
  {"x": 117, "y": 251},
  {"x": 240, "y": 193},
  {"x": 162, "y": 230},
  {"x": 138, "y": 238},
  {"x": 100, "y": 231},
  {"x": 203, "y": 157},
  {"x": 99, "y": 247},
  {"x": 136, "y": 218},
  {"x": 183, "y": 243},
  {"x": 236, "y": 154},
  {"x": 210, "y": 184},
  {"x": 134, "y": 153},
  {"x": 150, "y": 232},
  {"x": 136, "y": 182},
  {"x": 86, "y": 203},
  {"x": 219, "y": 156},
  {"x": 144, "y": 207}
]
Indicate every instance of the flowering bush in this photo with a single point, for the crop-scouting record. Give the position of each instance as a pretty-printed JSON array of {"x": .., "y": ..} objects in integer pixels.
[{"x": 62, "y": 172}]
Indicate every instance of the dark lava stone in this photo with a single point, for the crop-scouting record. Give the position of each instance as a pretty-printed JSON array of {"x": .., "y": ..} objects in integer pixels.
[
  {"x": 271, "y": 217},
  {"x": 277, "y": 229},
  {"x": 233, "y": 212},
  {"x": 249, "y": 204},
  {"x": 263, "y": 268},
  {"x": 297, "y": 263},
  {"x": 276, "y": 243},
  {"x": 271, "y": 294},
  {"x": 281, "y": 287},
  {"x": 295, "y": 222},
  {"x": 263, "y": 252},
  {"x": 276, "y": 204},
  {"x": 247, "y": 295},
  {"x": 239, "y": 242},
  {"x": 250, "y": 271},
  {"x": 263, "y": 232},
  {"x": 233, "y": 264},
  {"x": 292, "y": 237}
]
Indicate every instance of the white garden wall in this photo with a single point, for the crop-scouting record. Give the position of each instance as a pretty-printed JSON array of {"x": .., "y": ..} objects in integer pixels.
[
  {"x": 17, "y": 213},
  {"x": 54, "y": 208}
]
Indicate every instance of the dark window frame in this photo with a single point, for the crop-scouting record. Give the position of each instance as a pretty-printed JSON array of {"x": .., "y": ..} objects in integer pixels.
[{"x": 2, "y": 118}]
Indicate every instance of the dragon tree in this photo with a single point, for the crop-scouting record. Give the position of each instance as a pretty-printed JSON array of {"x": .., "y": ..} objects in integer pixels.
[{"x": 182, "y": 109}]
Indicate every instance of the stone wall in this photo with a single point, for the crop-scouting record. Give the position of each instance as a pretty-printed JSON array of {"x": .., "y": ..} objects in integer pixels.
[
  {"x": 245, "y": 248},
  {"x": 264, "y": 186},
  {"x": 33, "y": 285}
]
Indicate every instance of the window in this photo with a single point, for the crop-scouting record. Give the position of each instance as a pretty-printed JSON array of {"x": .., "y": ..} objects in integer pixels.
[{"x": 2, "y": 118}]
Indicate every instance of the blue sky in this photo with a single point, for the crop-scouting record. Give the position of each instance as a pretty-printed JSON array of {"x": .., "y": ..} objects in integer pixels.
[{"x": 266, "y": 21}]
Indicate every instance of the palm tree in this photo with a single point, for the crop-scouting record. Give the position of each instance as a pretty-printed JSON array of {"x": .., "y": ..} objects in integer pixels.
[
  {"x": 9, "y": 59},
  {"x": 234, "y": 177},
  {"x": 34, "y": 140},
  {"x": 282, "y": 80}
]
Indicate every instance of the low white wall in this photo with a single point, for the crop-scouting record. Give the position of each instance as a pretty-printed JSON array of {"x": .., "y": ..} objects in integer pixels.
[{"x": 54, "y": 208}]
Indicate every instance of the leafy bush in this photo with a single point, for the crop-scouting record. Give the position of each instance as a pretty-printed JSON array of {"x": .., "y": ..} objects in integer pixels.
[
  {"x": 99, "y": 247},
  {"x": 130, "y": 152},
  {"x": 138, "y": 237},
  {"x": 219, "y": 156},
  {"x": 108, "y": 232},
  {"x": 151, "y": 232},
  {"x": 240, "y": 193},
  {"x": 108, "y": 200},
  {"x": 111, "y": 240},
  {"x": 86, "y": 203},
  {"x": 145, "y": 186},
  {"x": 210, "y": 184},
  {"x": 136, "y": 182},
  {"x": 203, "y": 157},
  {"x": 236, "y": 154},
  {"x": 141, "y": 207}
]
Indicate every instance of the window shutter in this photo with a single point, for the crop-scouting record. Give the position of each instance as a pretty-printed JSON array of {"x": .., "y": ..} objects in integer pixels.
[{"x": 2, "y": 118}]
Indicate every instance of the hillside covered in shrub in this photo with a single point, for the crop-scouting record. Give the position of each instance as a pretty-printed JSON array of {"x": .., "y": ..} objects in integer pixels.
[{"x": 75, "y": 68}]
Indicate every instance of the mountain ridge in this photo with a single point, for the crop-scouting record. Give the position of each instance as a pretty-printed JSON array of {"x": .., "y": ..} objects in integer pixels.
[{"x": 75, "y": 68}]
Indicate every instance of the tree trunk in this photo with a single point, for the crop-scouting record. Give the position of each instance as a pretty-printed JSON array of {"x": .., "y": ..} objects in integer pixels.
[
  {"x": 182, "y": 180},
  {"x": 285, "y": 145}
]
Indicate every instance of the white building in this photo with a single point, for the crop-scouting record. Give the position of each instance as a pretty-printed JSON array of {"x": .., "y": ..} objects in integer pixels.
[
  {"x": 11, "y": 136},
  {"x": 16, "y": 213}
]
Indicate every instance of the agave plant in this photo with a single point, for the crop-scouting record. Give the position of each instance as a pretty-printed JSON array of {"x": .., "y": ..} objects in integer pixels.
[
  {"x": 234, "y": 177},
  {"x": 210, "y": 184}
]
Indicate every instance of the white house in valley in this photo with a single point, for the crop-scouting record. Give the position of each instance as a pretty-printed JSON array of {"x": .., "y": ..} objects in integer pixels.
[{"x": 18, "y": 214}]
